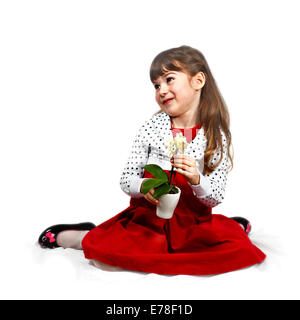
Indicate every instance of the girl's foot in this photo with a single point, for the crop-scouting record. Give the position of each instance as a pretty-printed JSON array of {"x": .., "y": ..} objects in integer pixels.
[
  {"x": 244, "y": 223},
  {"x": 48, "y": 238}
]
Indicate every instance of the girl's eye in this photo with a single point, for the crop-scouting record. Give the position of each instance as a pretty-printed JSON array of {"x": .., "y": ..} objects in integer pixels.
[{"x": 168, "y": 79}]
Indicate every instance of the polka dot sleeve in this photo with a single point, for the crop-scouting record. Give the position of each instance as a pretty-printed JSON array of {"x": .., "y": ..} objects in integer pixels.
[
  {"x": 211, "y": 190},
  {"x": 131, "y": 177}
]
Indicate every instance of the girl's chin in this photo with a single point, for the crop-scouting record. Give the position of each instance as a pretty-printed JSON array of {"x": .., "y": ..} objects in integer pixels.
[{"x": 172, "y": 112}]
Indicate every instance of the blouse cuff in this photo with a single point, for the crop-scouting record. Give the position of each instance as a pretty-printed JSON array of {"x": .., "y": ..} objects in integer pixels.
[
  {"x": 203, "y": 188},
  {"x": 135, "y": 187}
]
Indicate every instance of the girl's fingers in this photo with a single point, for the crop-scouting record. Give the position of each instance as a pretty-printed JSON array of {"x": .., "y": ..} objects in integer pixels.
[
  {"x": 188, "y": 165},
  {"x": 183, "y": 166},
  {"x": 153, "y": 200},
  {"x": 183, "y": 159},
  {"x": 184, "y": 173},
  {"x": 150, "y": 198},
  {"x": 181, "y": 156}
]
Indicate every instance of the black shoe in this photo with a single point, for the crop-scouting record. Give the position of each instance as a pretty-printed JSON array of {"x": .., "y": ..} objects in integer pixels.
[
  {"x": 47, "y": 239},
  {"x": 244, "y": 222}
]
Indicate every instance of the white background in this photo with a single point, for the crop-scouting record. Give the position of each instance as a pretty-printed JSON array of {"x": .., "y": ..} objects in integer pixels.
[{"x": 75, "y": 87}]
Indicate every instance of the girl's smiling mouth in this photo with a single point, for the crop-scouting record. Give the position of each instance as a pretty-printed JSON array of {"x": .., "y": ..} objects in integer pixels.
[{"x": 167, "y": 100}]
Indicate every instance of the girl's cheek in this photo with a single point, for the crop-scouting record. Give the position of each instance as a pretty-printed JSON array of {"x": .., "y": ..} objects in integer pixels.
[{"x": 158, "y": 101}]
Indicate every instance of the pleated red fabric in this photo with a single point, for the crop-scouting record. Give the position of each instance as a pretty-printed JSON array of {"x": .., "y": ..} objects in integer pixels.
[{"x": 193, "y": 242}]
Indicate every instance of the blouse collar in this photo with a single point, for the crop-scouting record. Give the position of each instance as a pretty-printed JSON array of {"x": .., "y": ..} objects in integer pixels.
[{"x": 164, "y": 126}]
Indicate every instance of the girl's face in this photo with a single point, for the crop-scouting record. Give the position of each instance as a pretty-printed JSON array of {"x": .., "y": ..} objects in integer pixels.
[{"x": 177, "y": 93}]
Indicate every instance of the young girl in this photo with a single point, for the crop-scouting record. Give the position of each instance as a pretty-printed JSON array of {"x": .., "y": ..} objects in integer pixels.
[{"x": 194, "y": 241}]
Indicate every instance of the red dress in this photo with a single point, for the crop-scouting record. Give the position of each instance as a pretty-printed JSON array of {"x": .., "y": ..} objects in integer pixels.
[{"x": 193, "y": 242}]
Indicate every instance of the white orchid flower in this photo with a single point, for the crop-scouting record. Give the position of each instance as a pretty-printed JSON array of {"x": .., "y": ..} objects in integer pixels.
[{"x": 177, "y": 145}]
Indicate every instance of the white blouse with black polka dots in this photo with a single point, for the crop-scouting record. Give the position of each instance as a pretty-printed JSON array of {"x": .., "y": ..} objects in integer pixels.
[{"x": 149, "y": 148}]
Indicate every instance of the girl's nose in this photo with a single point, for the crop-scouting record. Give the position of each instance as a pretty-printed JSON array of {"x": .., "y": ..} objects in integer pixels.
[{"x": 163, "y": 90}]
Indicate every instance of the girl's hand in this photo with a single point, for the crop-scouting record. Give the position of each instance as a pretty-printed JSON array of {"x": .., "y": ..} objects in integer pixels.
[
  {"x": 187, "y": 167},
  {"x": 149, "y": 196}
]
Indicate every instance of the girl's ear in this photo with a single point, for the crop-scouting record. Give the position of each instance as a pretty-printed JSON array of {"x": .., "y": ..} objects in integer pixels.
[{"x": 198, "y": 80}]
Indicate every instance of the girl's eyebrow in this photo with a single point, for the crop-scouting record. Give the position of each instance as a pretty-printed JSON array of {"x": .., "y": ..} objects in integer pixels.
[
  {"x": 170, "y": 72},
  {"x": 165, "y": 75}
]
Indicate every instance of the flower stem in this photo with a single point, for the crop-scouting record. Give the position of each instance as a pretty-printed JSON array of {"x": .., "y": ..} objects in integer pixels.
[{"x": 171, "y": 175}]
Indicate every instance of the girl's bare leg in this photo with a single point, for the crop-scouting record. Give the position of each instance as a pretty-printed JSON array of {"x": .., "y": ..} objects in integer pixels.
[{"x": 71, "y": 238}]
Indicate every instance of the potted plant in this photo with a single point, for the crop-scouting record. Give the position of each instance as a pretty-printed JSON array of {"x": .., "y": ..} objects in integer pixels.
[{"x": 167, "y": 193}]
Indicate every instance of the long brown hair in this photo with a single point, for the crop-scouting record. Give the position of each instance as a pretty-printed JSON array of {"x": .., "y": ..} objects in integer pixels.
[{"x": 213, "y": 111}]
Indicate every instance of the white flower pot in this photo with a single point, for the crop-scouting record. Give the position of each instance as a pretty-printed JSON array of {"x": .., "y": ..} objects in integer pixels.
[{"x": 167, "y": 204}]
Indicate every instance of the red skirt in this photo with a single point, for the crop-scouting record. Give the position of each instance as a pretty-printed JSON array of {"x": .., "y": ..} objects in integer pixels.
[{"x": 193, "y": 242}]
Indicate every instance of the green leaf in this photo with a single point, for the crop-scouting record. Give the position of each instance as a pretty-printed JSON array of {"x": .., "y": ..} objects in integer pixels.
[
  {"x": 161, "y": 190},
  {"x": 151, "y": 183},
  {"x": 156, "y": 171}
]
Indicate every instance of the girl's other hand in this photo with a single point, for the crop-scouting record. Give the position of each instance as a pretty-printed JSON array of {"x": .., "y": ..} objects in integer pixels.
[
  {"x": 149, "y": 196},
  {"x": 187, "y": 167}
]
